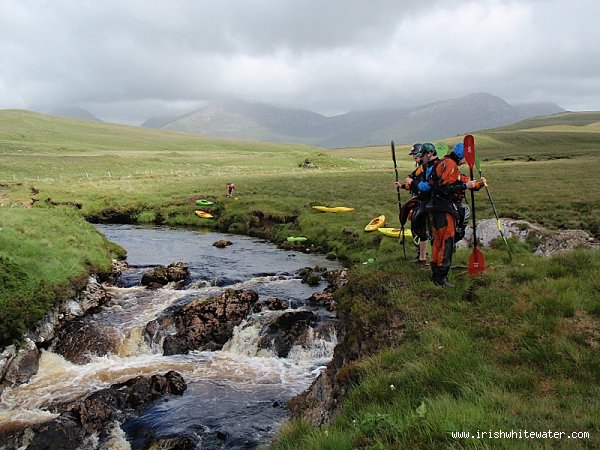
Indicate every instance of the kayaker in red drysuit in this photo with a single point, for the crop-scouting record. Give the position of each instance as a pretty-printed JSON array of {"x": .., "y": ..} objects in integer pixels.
[{"x": 444, "y": 208}]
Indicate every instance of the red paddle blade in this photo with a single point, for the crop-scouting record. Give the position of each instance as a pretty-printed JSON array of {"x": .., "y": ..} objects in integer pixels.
[
  {"x": 469, "y": 145},
  {"x": 476, "y": 262}
]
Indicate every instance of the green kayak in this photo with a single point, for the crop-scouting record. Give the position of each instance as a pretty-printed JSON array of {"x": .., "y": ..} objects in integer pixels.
[
  {"x": 297, "y": 239},
  {"x": 204, "y": 202}
]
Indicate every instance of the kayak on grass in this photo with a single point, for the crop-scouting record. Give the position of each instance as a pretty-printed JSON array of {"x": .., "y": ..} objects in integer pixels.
[
  {"x": 394, "y": 232},
  {"x": 335, "y": 209},
  {"x": 204, "y": 215},
  {"x": 204, "y": 202},
  {"x": 376, "y": 223},
  {"x": 297, "y": 239}
]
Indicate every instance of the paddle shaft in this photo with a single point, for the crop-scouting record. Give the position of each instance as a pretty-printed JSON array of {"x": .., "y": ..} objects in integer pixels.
[
  {"x": 469, "y": 149},
  {"x": 397, "y": 179},
  {"x": 399, "y": 200},
  {"x": 489, "y": 194}
]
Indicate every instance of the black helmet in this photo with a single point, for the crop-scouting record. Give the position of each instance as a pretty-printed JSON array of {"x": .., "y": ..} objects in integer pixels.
[{"x": 416, "y": 149}]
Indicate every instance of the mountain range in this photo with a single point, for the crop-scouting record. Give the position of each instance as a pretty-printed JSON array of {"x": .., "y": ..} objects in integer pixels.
[{"x": 441, "y": 119}]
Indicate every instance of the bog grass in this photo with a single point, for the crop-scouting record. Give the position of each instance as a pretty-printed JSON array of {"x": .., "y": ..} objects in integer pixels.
[{"x": 516, "y": 348}]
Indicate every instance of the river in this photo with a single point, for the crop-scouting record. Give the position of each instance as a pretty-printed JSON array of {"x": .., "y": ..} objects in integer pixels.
[{"x": 236, "y": 397}]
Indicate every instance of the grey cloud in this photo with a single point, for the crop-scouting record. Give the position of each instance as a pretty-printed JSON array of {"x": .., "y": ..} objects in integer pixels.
[{"x": 128, "y": 61}]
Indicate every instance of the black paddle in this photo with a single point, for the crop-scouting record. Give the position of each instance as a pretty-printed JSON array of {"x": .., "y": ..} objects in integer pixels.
[{"x": 399, "y": 201}]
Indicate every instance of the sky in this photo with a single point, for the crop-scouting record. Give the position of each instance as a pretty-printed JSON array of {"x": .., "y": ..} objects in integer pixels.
[{"x": 126, "y": 61}]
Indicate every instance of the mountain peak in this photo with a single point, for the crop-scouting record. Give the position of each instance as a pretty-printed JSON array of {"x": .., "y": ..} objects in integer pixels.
[{"x": 258, "y": 121}]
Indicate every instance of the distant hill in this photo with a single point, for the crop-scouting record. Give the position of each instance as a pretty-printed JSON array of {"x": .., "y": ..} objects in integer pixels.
[
  {"x": 240, "y": 120},
  {"x": 75, "y": 113}
]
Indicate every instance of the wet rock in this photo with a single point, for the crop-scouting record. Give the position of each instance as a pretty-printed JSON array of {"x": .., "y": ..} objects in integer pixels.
[
  {"x": 158, "y": 277},
  {"x": 18, "y": 366},
  {"x": 285, "y": 331},
  {"x": 46, "y": 330},
  {"x": 275, "y": 304},
  {"x": 337, "y": 278},
  {"x": 79, "y": 340},
  {"x": 202, "y": 324},
  {"x": 90, "y": 419},
  {"x": 222, "y": 243}
]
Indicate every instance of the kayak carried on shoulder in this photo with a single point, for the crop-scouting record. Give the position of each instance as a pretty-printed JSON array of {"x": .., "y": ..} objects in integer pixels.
[
  {"x": 394, "y": 232},
  {"x": 376, "y": 223},
  {"x": 334, "y": 209},
  {"x": 203, "y": 214}
]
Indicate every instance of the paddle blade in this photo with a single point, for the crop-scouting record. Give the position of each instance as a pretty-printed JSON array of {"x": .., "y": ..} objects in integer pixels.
[
  {"x": 476, "y": 262},
  {"x": 469, "y": 143}
]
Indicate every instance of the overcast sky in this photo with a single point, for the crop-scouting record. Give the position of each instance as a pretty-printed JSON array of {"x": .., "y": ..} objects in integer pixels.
[{"x": 128, "y": 60}]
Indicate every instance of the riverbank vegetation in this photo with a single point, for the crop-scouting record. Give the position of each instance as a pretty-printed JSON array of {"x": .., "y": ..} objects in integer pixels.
[{"x": 514, "y": 349}]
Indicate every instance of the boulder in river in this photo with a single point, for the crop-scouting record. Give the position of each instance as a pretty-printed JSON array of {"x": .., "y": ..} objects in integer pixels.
[
  {"x": 90, "y": 419},
  {"x": 202, "y": 324}
]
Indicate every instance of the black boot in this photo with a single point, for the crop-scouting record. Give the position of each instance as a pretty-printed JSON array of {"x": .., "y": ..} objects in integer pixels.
[
  {"x": 444, "y": 278},
  {"x": 436, "y": 275},
  {"x": 446, "y": 283}
]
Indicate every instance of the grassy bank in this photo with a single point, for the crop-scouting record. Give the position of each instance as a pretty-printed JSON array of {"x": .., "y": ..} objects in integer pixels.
[
  {"x": 516, "y": 349},
  {"x": 46, "y": 255},
  {"x": 513, "y": 349}
]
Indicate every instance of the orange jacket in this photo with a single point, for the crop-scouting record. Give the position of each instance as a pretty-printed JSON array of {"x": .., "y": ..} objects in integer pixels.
[{"x": 449, "y": 182}]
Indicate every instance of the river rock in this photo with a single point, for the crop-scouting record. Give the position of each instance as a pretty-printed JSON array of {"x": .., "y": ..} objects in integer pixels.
[
  {"x": 222, "y": 243},
  {"x": 202, "y": 324},
  {"x": 90, "y": 419},
  {"x": 160, "y": 276},
  {"x": 18, "y": 364},
  {"x": 285, "y": 331},
  {"x": 79, "y": 340}
]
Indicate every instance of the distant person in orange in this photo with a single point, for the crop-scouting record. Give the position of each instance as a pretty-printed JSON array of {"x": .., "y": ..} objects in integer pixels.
[{"x": 229, "y": 189}]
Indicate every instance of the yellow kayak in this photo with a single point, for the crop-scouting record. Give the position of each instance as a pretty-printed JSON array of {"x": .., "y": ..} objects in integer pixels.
[
  {"x": 395, "y": 232},
  {"x": 204, "y": 215},
  {"x": 335, "y": 209},
  {"x": 377, "y": 222}
]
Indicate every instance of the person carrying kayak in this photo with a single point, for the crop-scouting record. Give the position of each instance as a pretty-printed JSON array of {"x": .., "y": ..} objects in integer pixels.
[{"x": 445, "y": 211}]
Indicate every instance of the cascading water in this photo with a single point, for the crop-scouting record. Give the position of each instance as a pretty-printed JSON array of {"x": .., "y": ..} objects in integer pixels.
[{"x": 236, "y": 396}]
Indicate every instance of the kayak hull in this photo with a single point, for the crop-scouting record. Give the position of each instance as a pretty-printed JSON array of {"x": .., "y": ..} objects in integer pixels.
[
  {"x": 376, "y": 223},
  {"x": 297, "y": 239},
  {"x": 204, "y": 202},
  {"x": 203, "y": 214},
  {"x": 394, "y": 232},
  {"x": 334, "y": 209}
]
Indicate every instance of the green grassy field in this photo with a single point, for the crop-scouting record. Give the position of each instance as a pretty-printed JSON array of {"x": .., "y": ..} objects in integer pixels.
[{"x": 513, "y": 349}]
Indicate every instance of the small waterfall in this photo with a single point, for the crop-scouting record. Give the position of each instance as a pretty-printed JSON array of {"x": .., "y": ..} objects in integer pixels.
[
  {"x": 319, "y": 345},
  {"x": 239, "y": 392},
  {"x": 246, "y": 339}
]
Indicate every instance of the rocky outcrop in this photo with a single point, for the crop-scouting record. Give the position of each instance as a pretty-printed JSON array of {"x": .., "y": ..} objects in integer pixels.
[
  {"x": 202, "y": 324},
  {"x": 546, "y": 242},
  {"x": 160, "y": 276},
  {"x": 19, "y": 363},
  {"x": 91, "y": 418},
  {"x": 358, "y": 337}
]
